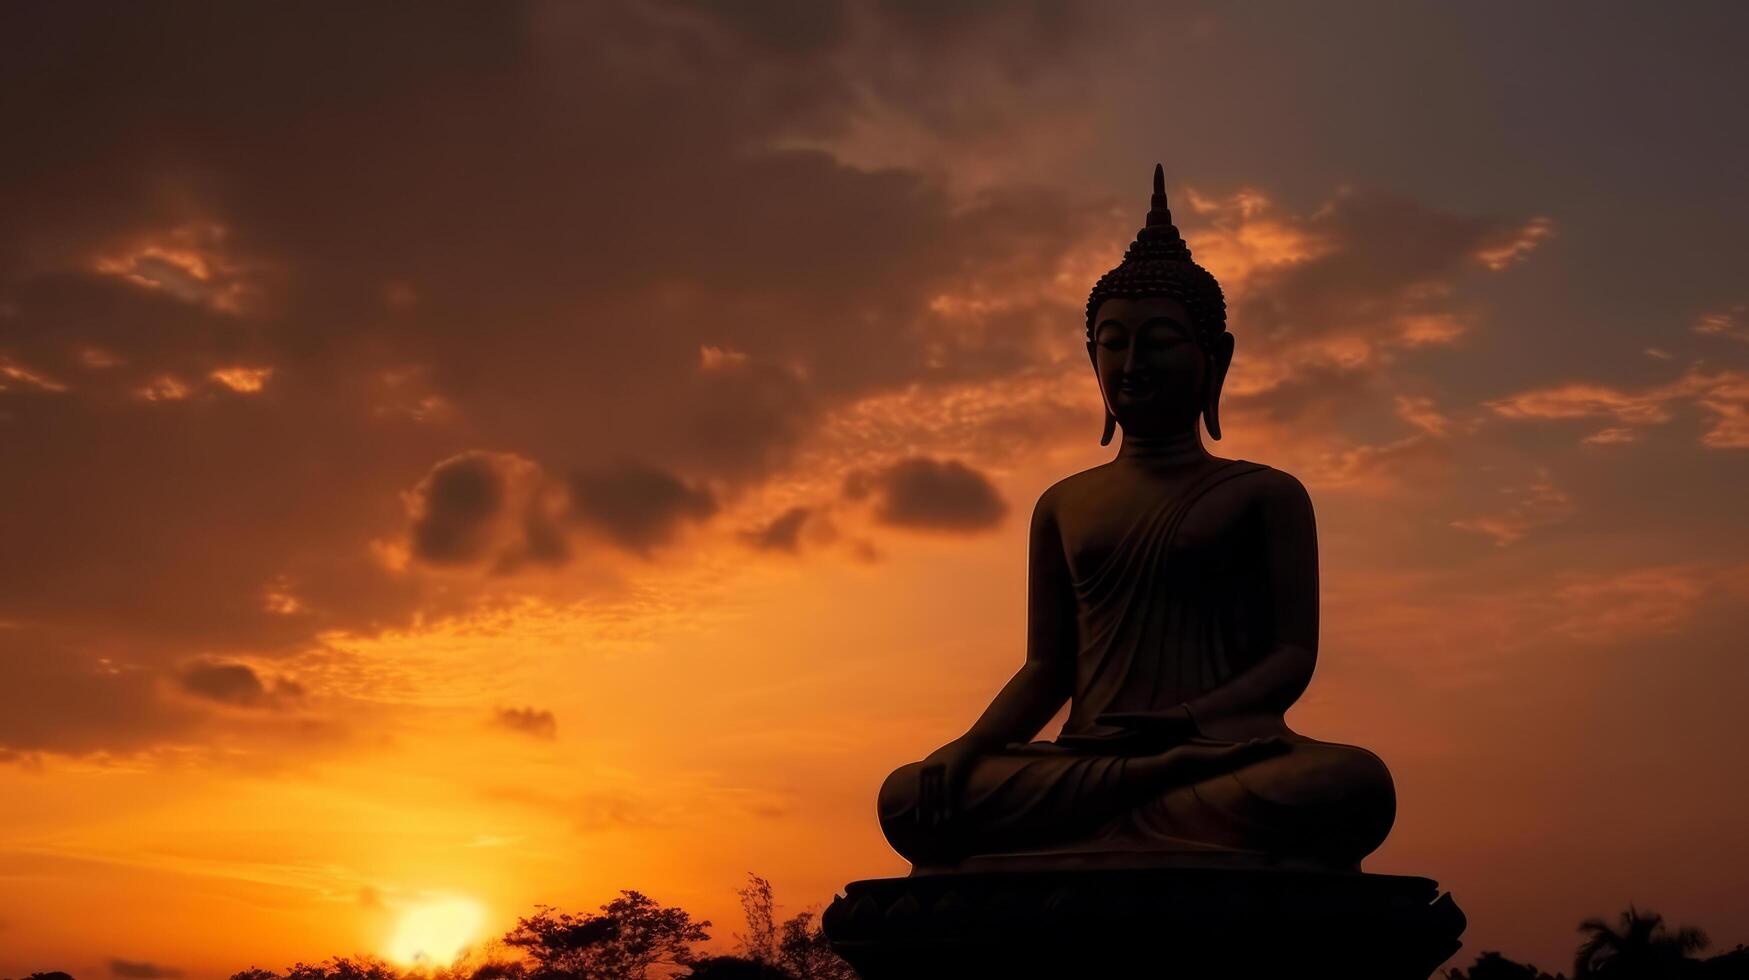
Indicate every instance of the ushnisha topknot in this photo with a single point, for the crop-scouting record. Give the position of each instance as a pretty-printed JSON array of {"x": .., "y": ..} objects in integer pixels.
[{"x": 1158, "y": 263}]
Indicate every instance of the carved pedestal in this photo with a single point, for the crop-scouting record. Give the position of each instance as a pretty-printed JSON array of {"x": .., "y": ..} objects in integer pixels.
[{"x": 1145, "y": 923}]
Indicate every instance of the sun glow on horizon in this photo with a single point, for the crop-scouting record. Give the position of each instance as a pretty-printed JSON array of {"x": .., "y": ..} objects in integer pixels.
[{"x": 435, "y": 933}]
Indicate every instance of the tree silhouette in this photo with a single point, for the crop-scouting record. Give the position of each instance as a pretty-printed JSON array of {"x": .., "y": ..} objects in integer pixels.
[
  {"x": 734, "y": 968},
  {"x": 806, "y": 953},
  {"x": 1637, "y": 946},
  {"x": 1732, "y": 965},
  {"x": 499, "y": 970},
  {"x": 334, "y": 968},
  {"x": 1493, "y": 966},
  {"x": 758, "y": 907},
  {"x": 798, "y": 950},
  {"x": 631, "y": 934}
]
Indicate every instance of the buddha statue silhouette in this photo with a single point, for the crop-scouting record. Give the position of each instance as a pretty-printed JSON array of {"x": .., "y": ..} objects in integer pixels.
[{"x": 1173, "y": 602}]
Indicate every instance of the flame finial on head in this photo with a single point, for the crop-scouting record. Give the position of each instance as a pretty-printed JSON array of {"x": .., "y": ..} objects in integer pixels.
[
  {"x": 1158, "y": 263},
  {"x": 1159, "y": 237}
]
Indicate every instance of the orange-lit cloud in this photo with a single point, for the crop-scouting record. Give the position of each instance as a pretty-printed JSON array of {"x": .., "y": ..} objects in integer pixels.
[
  {"x": 1722, "y": 397},
  {"x": 1732, "y": 323},
  {"x": 164, "y": 388},
  {"x": 17, "y": 373},
  {"x": 191, "y": 262},
  {"x": 243, "y": 380},
  {"x": 1515, "y": 245},
  {"x": 1534, "y": 505}
]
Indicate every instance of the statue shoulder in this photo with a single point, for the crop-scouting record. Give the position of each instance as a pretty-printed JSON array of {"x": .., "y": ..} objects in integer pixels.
[
  {"x": 1062, "y": 496},
  {"x": 1271, "y": 487}
]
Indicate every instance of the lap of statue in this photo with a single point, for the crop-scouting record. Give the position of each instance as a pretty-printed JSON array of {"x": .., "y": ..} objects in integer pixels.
[{"x": 1289, "y": 801}]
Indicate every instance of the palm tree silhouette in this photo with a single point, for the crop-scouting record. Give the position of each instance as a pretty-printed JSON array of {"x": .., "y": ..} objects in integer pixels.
[{"x": 1638, "y": 945}]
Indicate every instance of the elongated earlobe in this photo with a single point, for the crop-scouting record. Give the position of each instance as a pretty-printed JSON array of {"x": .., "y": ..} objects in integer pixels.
[
  {"x": 1110, "y": 419},
  {"x": 1220, "y": 358}
]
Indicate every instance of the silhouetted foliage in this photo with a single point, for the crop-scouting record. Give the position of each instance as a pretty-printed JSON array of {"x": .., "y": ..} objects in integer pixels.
[
  {"x": 798, "y": 949},
  {"x": 734, "y": 968},
  {"x": 1493, "y": 966},
  {"x": 631, "y": 934},
  {"x": 1733, "y": 965},
  {"x": 806, "y": 953},
  {"x": 759, "y": 909},
  {"x": 334, "y": 968},
  {"x": 1637, "y": 947}
]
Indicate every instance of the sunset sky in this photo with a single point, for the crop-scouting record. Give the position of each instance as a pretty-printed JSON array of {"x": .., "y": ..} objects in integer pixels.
[{"x": 463, "y": 456}]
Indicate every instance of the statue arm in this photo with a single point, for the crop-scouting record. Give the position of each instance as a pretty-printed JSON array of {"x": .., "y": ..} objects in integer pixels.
[
  {"x": 1047, "y": 678},
  {"x": 1252, "y": 702}
]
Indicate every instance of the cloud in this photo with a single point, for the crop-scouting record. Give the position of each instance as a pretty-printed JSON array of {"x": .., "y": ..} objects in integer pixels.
[
  {"x": 1537, "y": 504},
  {"x": 1722, "y": 396},
  {"x": 1645, "y": 601},
  {"x": 1422, "y": 413},
  {"x": 1732, "y": 323},
  {"x": 1513, "y": 244},
  {"x": 232, "y": 683},
  {"x": 236, "y": 684},
  {"x": 535, "y": 723},
  {"x": 241, "y": 379},
  {"x": 1324, "y": 304},
  {"x": 248, "y": 355},
  {"x": 142, "y": 970},
  {"x": 275, "y": 396},
  {"x": 481, "y": 506},
  {"x": 783, "y": 533},
  {"x": 1615, "y": 435},
  {"x": 12, "y": 371},
  {"x": 922, "y": 493},
  {"x": 635, "y": 504}
]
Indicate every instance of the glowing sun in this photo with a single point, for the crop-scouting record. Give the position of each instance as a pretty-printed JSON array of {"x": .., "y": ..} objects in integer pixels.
[{"x": 435, "y": 933}]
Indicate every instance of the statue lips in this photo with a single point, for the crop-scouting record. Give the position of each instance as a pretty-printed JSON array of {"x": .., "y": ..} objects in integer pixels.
[{"x": 1137, "y": 387}]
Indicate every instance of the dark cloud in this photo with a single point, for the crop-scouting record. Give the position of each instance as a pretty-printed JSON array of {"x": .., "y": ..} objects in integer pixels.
[
  {"x": 230, "y": 683},
  {"x": 930, "y": 494},
  {"x": 637, "y": 505},
  {"x": 481, "y": 505},
  {"x": 533, "y": 722},
  {"x": 237, "y": 684},
  {"x": 142, "y": 970},
  {"x": 784, "y": 533},
  {"x": 457, "y": 504}
]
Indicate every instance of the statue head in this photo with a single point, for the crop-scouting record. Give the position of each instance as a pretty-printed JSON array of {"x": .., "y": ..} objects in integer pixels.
[{"x": 1157, "y": 333}]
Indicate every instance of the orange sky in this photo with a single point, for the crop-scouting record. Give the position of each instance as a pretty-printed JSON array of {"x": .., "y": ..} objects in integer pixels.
[{"x": 466, "y": 457}]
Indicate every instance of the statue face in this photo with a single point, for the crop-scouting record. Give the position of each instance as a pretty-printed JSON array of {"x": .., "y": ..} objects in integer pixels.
[{"x": 1152, "y": 371}]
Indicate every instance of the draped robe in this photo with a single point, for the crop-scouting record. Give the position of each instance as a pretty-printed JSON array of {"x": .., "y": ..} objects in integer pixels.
[{"x": 1174, "y": 609}]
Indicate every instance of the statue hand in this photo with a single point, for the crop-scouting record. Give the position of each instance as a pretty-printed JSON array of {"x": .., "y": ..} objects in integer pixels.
[
  {"x": 1173, "y": 726},
  {"x": 1200, "y": 757},
  {"x": 944, "y": 775}
]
